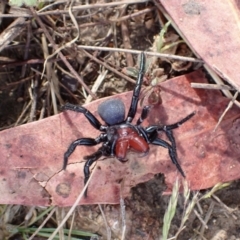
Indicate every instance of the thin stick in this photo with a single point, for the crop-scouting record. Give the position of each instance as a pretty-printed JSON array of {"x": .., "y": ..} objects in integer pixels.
[
  {"x": 200, "y": 218},
  {"x": 11, "y": 32},
  {"x": 43, "y": 223},
  {"x": 108, "y": 67},
  {"x": 96, "y": 85},
  {"x": 63, "y": 58},
  {"x": 75, "y": 8},
  {"x": 171, "y": 56},
  {"x": 105, "y": 222},
  {"x": 207, "y": 217},
  {"x": 230, "y": 104},
  {"x": 132, "y": 15},
  {"x": 212, "y": 86},
  {"x": 72, "y": 208}
]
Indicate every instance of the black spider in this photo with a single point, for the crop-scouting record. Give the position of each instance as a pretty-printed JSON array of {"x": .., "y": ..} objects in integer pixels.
[{"x": 119, "y": 134}]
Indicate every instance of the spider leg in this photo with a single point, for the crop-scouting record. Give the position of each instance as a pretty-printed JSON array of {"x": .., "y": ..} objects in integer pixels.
[
  {"x": 171, "y": 151},
  {"x": 102, "y": 151},
  {"x": 136, "y": 92},
  {"x": 168, "y": 129},
  {"x": 144, "y": 114},
  {"x": 90, "y": 117},
  {"x": 177, "y": 124},
  {"x": 171, "y": 138},
  {"x": 81, "y": 142}
]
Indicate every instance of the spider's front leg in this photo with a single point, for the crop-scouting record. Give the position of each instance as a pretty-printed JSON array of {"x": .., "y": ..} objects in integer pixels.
[
  {"x": 136, "y": 92},
  {"x": 81, "y": 142},
  {"x": 90, "y": 117}
]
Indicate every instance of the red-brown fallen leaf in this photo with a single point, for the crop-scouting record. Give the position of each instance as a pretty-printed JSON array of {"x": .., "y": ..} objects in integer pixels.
[
  {"x": 32, "y": 154},
  {"x": 212, "y": 29}
]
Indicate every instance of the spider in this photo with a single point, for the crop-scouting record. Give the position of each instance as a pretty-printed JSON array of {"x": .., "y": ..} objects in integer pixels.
[{"x": 119, "y": 134}]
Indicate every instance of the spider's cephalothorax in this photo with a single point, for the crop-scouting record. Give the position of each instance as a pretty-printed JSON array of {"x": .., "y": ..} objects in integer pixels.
[{"x": 119, "y": 134}]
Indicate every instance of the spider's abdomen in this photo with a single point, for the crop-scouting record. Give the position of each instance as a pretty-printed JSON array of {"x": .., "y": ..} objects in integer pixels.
[
  {"x": 129, "y": 138},
  {"x": 112, "y": 111}
]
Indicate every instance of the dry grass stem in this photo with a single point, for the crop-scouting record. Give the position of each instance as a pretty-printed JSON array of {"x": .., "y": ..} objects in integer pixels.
[
  {"x": 25, "y": 109},
  {"x": 109, "y": 67},
  {"x": 229, "y": 210},
  {"x": 68, "y": 44},
  {"x": 105, "y": 222},
  {"x": 211, "y": 86},
  {"x": 68, "y": 65},
  {"x": 171, "y": 209},
  {"x": 207, "y": 218},
  {"x": 72, "y": 209},
  {"x": 123, "y": 217},
  {"x": 230, "y": 104},
  {"x": 43, "y": 223},
  {"x": 200, "y": 218},
  {"x": 155, "y": 54},
  {"x": 71, "y": 226},
  {"x": 96, "y": 85},
  {"x": 219, "y": 81},
  {"x": 10, "y": 33},
  {"x": 188, "y": 208}
]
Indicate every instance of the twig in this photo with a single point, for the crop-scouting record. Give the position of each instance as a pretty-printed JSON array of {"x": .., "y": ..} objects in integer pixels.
[
  {"x": 16, "y": 83},
  {"x": 230, "y": 104},
  {"x": 96, "y": 85},
  {"x": 11, "y": 32},
  {"x": 26, "y": 52},
  {"x": 43, "y": 223},
  {"x": 229, "y": 210},
  {"x": 218, "y": 80},
  {"x": 34, "y": 99},
  {"x": 23, "y": 112},
  {"x": 75, "y": 8},
  {"x": 105, "y": 222},
  {"x": 72, "y": 209},
  {"x": 207, "y": 217},
  {"x": 30, "y": 61},
  {"x": 126, "y": 40},
  {"x": 200, "y": 218},
  {"x": 60, "y": 54},
  {"x": 71, "y": 226},
  {"x": 68, "y": 44},
  {"x": 171, "y": 56},
  {"x": 212, "y": 86},
  {"x": 108, "y": 67},
  {"x": 132, "y": 15}
]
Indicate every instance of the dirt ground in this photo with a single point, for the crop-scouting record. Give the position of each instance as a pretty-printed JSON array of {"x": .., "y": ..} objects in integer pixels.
[
  {"x": 146, "y": 207},
  {"x": 214, "y": 218}
]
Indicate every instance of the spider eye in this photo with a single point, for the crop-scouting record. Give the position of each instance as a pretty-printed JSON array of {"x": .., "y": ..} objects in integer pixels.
[{"x": 112, "y": 111}]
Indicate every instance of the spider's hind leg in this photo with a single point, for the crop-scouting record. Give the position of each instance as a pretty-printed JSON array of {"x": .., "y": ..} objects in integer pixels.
[
  {"x": 172, "y": 149},
  {"x": 102, "y": 151},
  {"x": 172, "y": 153},
  {"x": 90, "y": 160},
  {"x": 74, "y": 144},
  {"x": 168, "y": 129}
]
